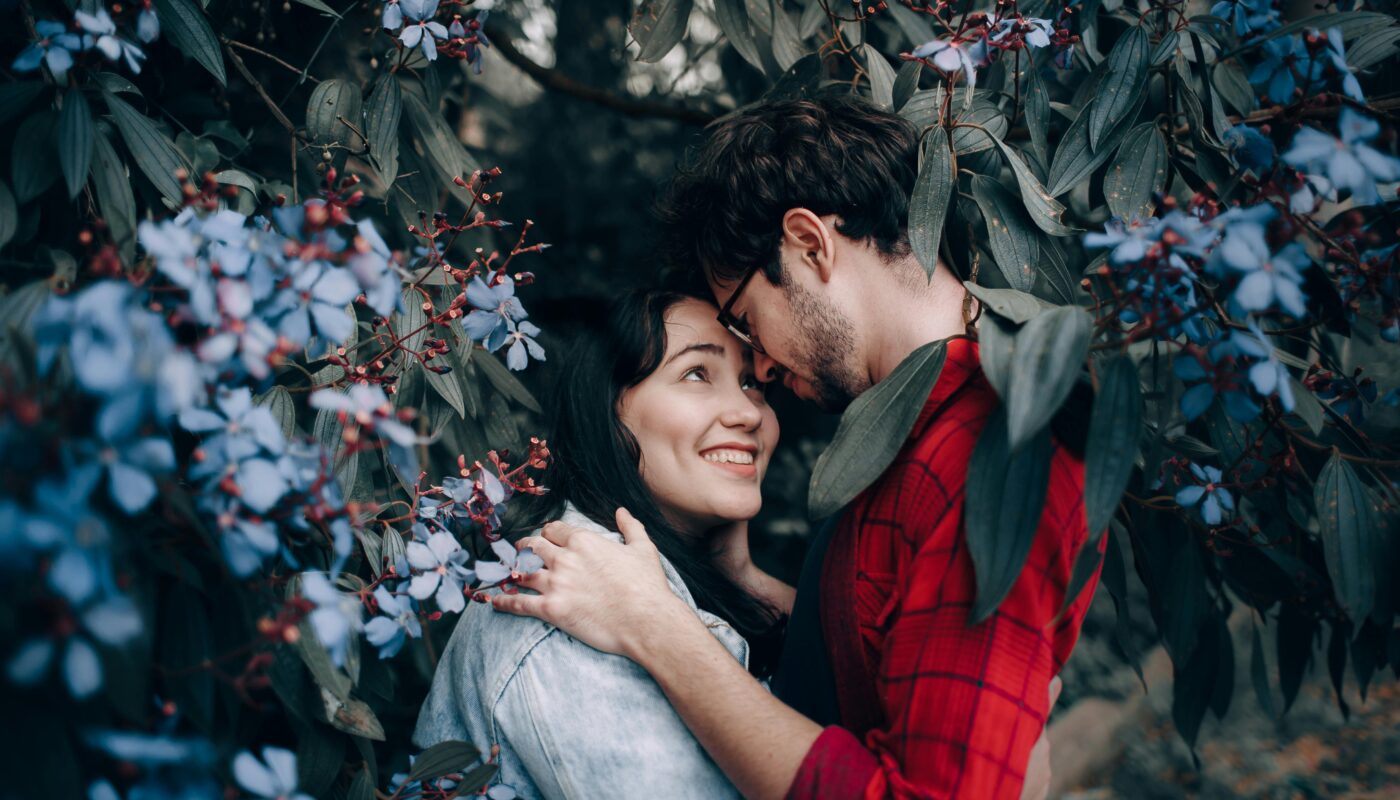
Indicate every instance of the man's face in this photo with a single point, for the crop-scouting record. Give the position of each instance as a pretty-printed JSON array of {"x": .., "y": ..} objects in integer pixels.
[{"x": 807, "y": 342}]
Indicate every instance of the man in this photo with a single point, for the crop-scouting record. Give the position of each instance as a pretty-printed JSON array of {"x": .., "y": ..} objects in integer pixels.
[{"x": 796, "y": 213}]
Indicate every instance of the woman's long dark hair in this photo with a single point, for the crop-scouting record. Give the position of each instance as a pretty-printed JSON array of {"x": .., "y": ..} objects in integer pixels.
[{"x": 596, "y": 464}]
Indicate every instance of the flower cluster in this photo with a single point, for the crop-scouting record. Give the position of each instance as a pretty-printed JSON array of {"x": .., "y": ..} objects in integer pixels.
[
  {"x": 983, "y": 36},
  {"x": 1212, "y": 503},
  {"x": 418, "y": 28},
  {"x": 1228, "y": 368},
  {"x": 58, "y": 43},
  {"x": 1309, "y": 63}
]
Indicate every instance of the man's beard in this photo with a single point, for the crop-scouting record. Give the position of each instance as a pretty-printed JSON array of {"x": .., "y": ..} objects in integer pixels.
[{"x": 824, "y": 349}]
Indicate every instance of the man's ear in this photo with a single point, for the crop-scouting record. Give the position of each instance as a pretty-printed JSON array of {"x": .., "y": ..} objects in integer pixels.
[{"x": 808, "y": 242}]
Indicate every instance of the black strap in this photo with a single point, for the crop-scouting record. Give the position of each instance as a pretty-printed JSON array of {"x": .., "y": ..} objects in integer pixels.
[{"x": 804, "y": 679}]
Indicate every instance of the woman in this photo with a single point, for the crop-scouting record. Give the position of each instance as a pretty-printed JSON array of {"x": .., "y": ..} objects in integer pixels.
[{"x": 661, "y": 415}]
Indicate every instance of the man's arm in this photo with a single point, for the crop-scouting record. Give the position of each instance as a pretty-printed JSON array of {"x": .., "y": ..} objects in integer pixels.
[{"x": 767, "y": 749}]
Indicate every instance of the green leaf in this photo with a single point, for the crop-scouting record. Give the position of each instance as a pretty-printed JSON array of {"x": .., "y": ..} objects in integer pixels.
[
  {"x": 1306, "y": 406},
  {"x": 872, "y": 430},
  {"x": 1086, "y": 564},
  {"x": 1114, "y": 428},
  {"x": 279, "y": 402},
  {"x": 1349, "y": 541},
  {"x": 996, "y": 349},
  {"x": 1005, "y": 495},
  {"x": 321, "y": 7},
  {"x": 330, "y": 432},
  {"x": 787, "y": 43},
  {"x": 184, "y": 24},
  {"x": 1044, "y": 208},
  {"x": 382, "y": 116},
  {"x": 1122, "y": 87},
  {"x": 116, "y": 84},
  {"x": 916, "y": 28},
  {"x": 75, "y": 135},
  {"x": 9, "y": 215},
  {"x": 320, "y": 755},
  {"x": 362, "y": 788},
  {"x": 1137, "y": 173},
  {"x": 442, "y": 758},
  {"x": 906, "y": 82},
  {"x": 1165, "y": 49},
  {"x": 1010, "y": 304},
  {"x": 443, "y": 150},
  {"x": 761, "y": 15},
  {"x": 1259, "y": 674},
  {"x": 506, "y": 383},
  {"x": 477, "y": 779},
  {"x": 32, "y": 163},
  {"x": 733, "y": 19},
  {"x": 449, "y": 385},
  {"x": 881, "y": 75},
  {"x": 461, "y": 354},
  {"x": 183, "y": 646},
  {"x": 928, "y": 206},
  {"x": 16, "y": 97},
  {"x": 331, "y": 101},
  {"x": 1232, "y": 84},
  {"x": 202, "y": 153},
  {"x": 115, "y": 200},
  {"x": 658, "y": 26},
  {"x": 1192, "y": 683},
  {"x": 1050, "y": 352},
  {"x": 990, "y": 124},
  {"x": 1038, "y": 115},
  {"x": 1373, "y": 47},
  {"x": 1014, "y": 240},
  {"x": 1075, "y": 159},
  {"x": 153, "y": 151}
]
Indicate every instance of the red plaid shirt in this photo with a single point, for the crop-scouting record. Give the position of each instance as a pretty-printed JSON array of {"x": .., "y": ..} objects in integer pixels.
[{"x": 930, "y": 706}]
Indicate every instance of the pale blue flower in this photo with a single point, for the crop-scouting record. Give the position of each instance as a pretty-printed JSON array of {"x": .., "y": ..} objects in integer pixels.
[
  {"x": 522, "y": 561},
  {"x": 102, "y": 33},
  {"x": 441, "y": 574},
  {"x": 1215, "y": 503},
  {"x": 522, "y": 342},
  {"x": 397, "y": 623},
  {"x": 1348, "y": 162},
  {"x": 337, "y": 615},
  {"x": 497, "y": 309},
  {"x": 55, "y": 48},
  {"x": 273, "y": 778}
]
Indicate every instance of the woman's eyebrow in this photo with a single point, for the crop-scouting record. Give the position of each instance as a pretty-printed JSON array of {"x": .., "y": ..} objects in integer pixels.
[{"x": 703, "y": 347}]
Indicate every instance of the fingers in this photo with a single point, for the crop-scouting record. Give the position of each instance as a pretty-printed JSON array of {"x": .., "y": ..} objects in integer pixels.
[
  {"x": 558, "y": 532},
  {"x": 542, "y": 547},
  {"x": 524, "y": 605},
  {"x": 1056, "y": 686},
  {"x": 633, "y": 532}
]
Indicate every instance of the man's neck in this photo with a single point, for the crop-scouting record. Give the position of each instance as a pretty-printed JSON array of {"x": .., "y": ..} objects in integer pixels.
[{"x": 909, "y": 313}]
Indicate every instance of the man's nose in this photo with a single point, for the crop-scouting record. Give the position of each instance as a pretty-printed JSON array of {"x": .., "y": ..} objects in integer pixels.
[{"x": 765, "y": 368}]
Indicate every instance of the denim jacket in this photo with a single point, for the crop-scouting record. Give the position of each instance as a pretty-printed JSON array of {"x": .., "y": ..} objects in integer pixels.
[{"x": 570, "y": 721}]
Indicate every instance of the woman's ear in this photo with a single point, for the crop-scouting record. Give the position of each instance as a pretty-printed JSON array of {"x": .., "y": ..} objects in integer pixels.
[{"x": 807, "y": 243}]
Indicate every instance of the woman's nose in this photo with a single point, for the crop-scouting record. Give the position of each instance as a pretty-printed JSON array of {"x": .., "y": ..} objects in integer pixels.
[{"x": 741, "y": 412}]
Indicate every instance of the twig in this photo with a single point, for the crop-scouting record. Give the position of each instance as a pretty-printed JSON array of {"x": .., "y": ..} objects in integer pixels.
[
  {"x": 559, "y": 82},
  {"x": 267, "y": 55},
  {"x": 258, "y": 87}
]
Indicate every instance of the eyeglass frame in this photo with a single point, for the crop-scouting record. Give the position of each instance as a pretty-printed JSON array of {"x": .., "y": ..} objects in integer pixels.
[{"x": 737, "y": 327}]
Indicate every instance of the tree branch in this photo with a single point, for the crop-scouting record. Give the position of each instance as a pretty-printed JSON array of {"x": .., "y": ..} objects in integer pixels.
[{"x": 559, "y": 82}]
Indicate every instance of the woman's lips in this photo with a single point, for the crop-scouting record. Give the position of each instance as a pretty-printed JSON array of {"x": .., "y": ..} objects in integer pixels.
[{"x": 742, "y": 470}]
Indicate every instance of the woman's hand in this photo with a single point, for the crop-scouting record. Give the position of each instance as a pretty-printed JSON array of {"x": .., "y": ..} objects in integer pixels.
[{"x": 605, "y": 594}]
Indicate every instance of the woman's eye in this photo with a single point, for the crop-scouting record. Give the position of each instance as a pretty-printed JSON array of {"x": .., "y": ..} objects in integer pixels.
[
  {"x": 694, "y": 374},
  {"x": 750, "y": 383}
]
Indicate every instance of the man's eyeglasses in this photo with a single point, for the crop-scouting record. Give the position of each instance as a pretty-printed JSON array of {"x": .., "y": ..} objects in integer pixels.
[{"x": 737, "y": 326}]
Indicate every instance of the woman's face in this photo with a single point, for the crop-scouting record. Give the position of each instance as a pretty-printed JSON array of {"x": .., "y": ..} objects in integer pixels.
[{"x": 704, "y": 429}]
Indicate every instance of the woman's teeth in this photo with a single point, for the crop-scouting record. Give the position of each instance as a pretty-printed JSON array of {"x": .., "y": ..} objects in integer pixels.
[{"x": 728, "y": 456}]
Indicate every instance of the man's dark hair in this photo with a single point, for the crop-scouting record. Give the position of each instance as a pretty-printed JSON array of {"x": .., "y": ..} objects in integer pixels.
[{"x": 836, "y": 154}]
